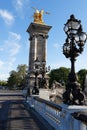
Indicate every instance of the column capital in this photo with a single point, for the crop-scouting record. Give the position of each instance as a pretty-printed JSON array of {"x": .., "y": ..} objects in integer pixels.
[
  {"x": 45, "y": 36},
  {"x": 38, "y": 28}
]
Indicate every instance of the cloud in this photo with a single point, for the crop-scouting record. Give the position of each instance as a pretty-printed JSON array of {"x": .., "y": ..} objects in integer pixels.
[
  {"x": 9, "y": 51},
  {"x": 21, "y": 6},
  {"x": 10, "y": 62},
  {"x": 7, "y": 17},
  {"x": 13, "y": 51},
  {"x": 12, "y": 44},
  {"x": 57, "y": 46},
  {"x": 1, "y": 49},
  {"x": 12, "y": 48},
  {"x": 15, "y": 36},
  {"x": 4, "y": 76},
  {"x": 1, "y": 64}
]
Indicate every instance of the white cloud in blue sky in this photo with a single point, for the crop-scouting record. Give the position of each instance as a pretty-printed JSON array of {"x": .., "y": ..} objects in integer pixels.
[
  {"x": 21, "y": 6},
  {"x": 11, "y": 45},
  {"x": 18, "y": 4},
  {"x": 1, "y": 64},
  {"x": 6, "y": 16},
  {"x": 57, "y": 46},
  {"x": 9, "y": 49}
]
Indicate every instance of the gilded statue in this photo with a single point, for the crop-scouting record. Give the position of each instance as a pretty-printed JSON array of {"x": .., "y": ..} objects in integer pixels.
[{"x": 38, "y": 16}]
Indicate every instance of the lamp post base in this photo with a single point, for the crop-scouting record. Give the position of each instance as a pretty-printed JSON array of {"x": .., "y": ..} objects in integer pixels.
[
  {"x": 35, "y": 91},
  {"x": 73, "y": 94}
]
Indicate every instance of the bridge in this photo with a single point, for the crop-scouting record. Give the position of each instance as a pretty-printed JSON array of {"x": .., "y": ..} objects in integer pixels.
[
  {"x": 35, "y": 113},
  {"x": 16, "y": 115}
]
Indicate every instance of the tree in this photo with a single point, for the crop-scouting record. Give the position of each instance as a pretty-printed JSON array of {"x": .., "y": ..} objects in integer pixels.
[
  {"x": 17, "y": 78},
  {"x": 3, "y": 84},
  {"x": 21, "y": 70},
  {"x": 12, "y": 80},
  {"x": 60, "y": 75},
  {"x": 81, "y": 77}
]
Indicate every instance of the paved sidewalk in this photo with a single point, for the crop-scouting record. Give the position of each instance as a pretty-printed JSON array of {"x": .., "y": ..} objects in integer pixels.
[{"x": 15, "y": 116}]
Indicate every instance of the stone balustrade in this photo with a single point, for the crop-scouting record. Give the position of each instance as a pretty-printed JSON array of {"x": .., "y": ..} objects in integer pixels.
[{"x": 60, "y": 116}]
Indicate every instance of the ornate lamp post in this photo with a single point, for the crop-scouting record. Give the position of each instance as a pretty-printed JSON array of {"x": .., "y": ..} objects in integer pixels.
[
  {"x": 43, "y": 68},
  {"x": 73, "y": 46},
  {"x": 43, "y": 71},
  {"x": 36, "y": 72}
]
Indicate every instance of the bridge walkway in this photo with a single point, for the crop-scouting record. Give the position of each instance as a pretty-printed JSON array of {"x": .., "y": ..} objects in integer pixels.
[{"x": 15, "y": 116}]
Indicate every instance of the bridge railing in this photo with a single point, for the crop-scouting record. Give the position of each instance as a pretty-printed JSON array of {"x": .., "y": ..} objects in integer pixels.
[{"x": 59, "y": 116}]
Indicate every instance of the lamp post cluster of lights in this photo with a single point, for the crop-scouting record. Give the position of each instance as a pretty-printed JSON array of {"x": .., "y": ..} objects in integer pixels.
[
  {"x": 39, "y": 68},
  {"x": 73, "y": 46}
]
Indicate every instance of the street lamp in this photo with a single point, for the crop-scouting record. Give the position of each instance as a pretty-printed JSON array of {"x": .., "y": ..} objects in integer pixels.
[
  {"x": 73, "y": 46},
  {"x": 43, "y": 71},
  {"x": 43, "y": 68},
  {"x": 36, "y": 72}
]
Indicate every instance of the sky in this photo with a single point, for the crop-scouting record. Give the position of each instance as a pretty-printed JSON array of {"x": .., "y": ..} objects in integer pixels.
[{"x": 16, "y": 16}]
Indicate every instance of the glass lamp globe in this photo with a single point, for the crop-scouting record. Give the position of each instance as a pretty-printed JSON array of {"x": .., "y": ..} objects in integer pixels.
[
  {"x": 81, "y": 38},
  {"x": 72, "y": 25}
]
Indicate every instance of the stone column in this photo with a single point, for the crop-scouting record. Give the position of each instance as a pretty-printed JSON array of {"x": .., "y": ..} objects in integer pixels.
[
  {"x": 44, "y": 47},
  {"x": 32, "y": 52},
  {"x": 38, "y": 43}
]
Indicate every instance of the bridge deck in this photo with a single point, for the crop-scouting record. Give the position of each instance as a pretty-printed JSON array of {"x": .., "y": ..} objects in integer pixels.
[{"x": 15, "y": 116}]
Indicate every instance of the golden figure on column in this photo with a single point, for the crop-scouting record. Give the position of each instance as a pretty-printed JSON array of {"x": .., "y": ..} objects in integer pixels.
[{"x": 38, "y": 16}]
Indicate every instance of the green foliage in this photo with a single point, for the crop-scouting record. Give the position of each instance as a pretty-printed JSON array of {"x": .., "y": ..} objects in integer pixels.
[
  {"x": 3, "y": 83},
  {"x": 17, "y": 78},
  {"x": 81, "y": 77},
  {"x": 60, "y": 75}
]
